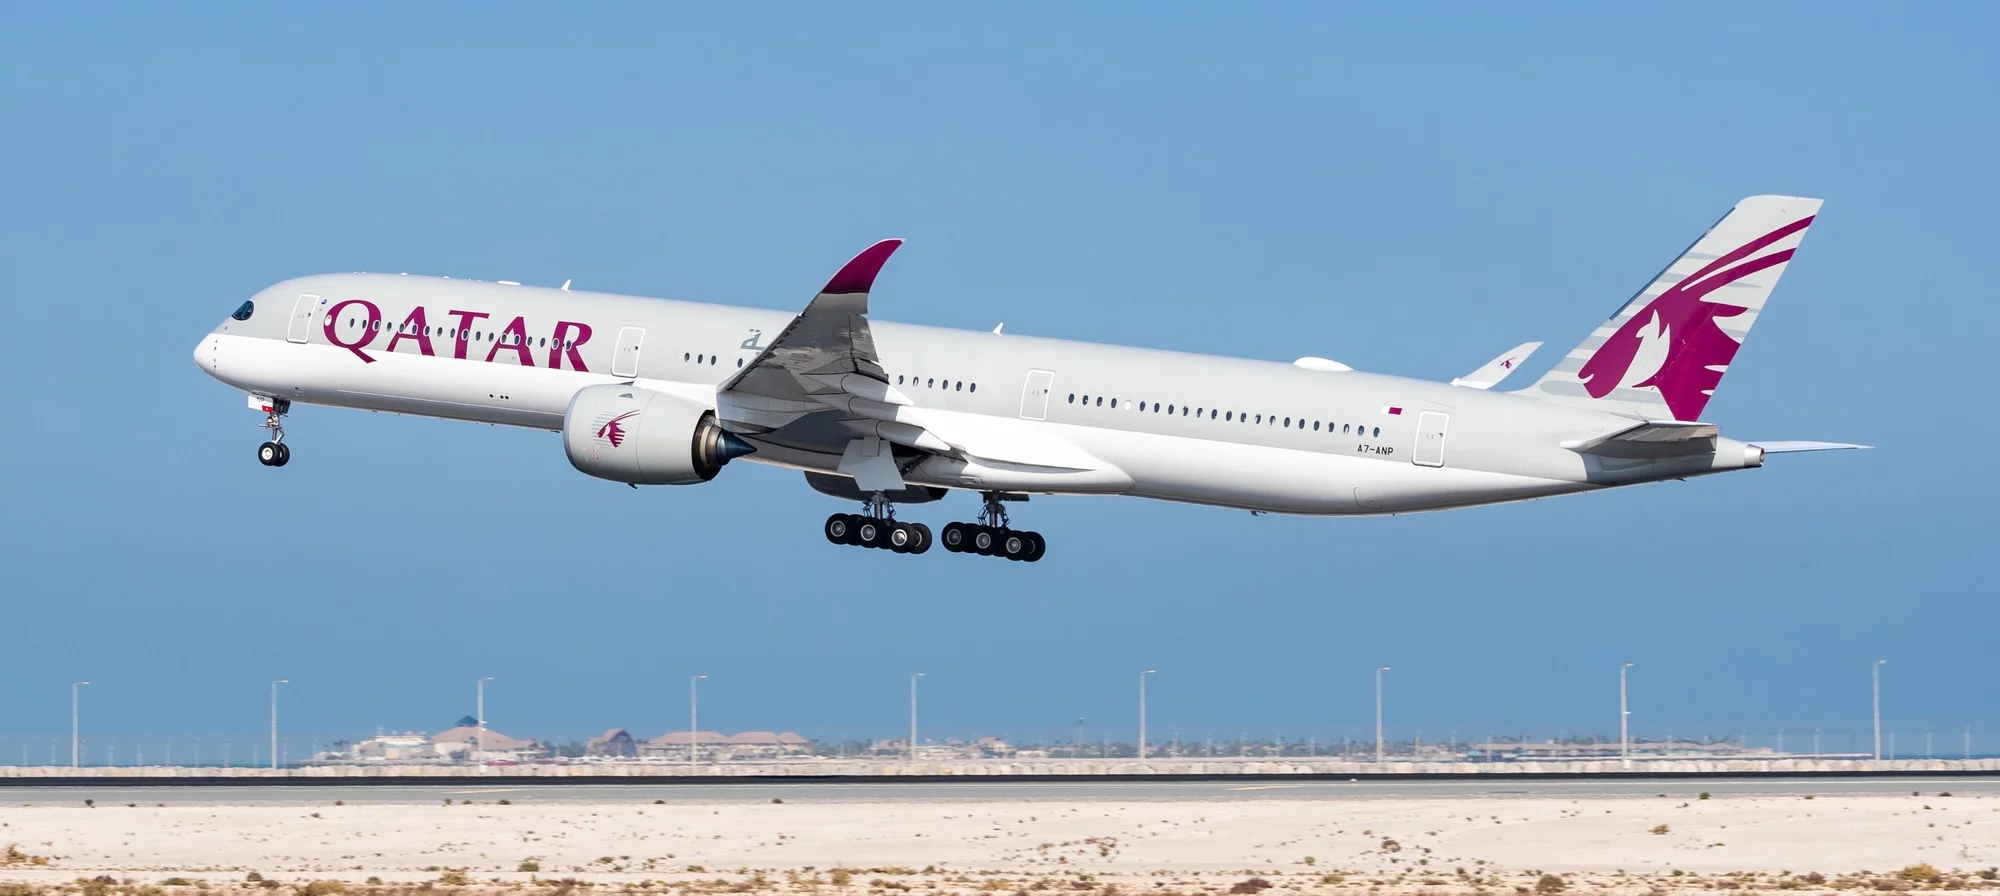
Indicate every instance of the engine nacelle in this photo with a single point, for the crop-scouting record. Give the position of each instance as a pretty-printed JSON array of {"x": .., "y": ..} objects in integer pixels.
[{"x": 627, "y": 434}]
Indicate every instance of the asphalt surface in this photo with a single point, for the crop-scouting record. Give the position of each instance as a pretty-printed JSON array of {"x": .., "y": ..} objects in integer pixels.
[{"x": 1119, "y": 791}]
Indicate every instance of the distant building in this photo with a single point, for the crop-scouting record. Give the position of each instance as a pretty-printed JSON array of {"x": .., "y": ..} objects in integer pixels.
[
  {"x": 614, "y": 744},
  {"x": 395, "y": 748},
  {"x": 458, "y": 743},
  {"x": 716, "y": 746}
]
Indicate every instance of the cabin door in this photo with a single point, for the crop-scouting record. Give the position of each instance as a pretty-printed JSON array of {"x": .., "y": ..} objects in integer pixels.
[
  {"x": 1430, "y": 439},
  {"x": 1035, "y": 394},
  {"x": 625, "y": 358},
  {"x": 302, "y": 317}
]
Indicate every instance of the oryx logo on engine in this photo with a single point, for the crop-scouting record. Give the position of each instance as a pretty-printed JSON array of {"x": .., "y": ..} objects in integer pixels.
[{"x": 612, "y": 431}]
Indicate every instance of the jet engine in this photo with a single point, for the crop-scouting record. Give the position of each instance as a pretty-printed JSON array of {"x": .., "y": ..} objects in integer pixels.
[{"x": 627, "y": 434}]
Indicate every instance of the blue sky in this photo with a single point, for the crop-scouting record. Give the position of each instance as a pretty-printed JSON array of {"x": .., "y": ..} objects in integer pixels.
[{"x": 1408, "y": 191}]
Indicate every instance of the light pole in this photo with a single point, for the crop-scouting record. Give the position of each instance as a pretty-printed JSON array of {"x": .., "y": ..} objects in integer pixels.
[
  {"x": 1624, "y": 721},
  {"x": 913, "y": 714},
  {"x": 75, "y": 749},
  {"x": 1142, "y": 713},
  {"x": 1878, "y": 709},
  {"x": 694, "y": 727},
  {"x": 1378, "y": 711},
  {"x": 274, "y": 719},
  {"x": 479, "y": 713}
]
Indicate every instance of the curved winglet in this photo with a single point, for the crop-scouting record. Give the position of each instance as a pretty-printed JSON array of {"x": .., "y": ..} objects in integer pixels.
[{"x": 859, "y": 274}]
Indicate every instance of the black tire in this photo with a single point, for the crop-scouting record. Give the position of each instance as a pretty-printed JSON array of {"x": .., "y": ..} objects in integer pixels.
[
  {"x": 924, "y": 538},
  {"x": 839, "y": 529},
  {"x": 267, "y": 454},
  {"x": 284, "y": 455},
  {"x": 1015, "y": 545},
  {"x": 901, "y": 538},
  {"x": 871, "y": 533},
  {"x": 956, "y": 537},
  {"x": 1037, "y": 549},
  {"x": 984, "y": 540}
]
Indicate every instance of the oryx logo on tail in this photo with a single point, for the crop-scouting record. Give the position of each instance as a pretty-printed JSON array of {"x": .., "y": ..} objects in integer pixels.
[
  {"x": 1678, "y": 330},
  {"x": 1662, "y": 355}
]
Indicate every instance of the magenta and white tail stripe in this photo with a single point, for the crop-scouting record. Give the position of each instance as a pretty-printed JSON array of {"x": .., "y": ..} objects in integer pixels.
[{"x": 1663, "y": 354}]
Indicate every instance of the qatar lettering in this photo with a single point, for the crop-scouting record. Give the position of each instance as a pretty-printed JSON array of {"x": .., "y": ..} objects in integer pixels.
[{"x": 359, "y": 332}]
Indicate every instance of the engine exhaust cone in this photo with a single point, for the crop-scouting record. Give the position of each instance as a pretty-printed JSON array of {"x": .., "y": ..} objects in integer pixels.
[{"x": 731, "y": 448}]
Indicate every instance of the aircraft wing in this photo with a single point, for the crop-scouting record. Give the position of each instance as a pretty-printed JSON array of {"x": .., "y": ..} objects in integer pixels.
[
  {"x": 1497, "y": 369},
  {"x": 823, "y": 356},
  {"x": 823, "y": 365}
]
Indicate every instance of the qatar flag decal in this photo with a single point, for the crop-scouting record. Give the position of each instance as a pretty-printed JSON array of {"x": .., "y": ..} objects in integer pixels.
[{"x": 1393, "y": 411}]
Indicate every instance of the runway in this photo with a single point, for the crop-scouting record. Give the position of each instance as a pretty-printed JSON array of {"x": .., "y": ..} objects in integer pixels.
[{"x": 245, "y": 794}]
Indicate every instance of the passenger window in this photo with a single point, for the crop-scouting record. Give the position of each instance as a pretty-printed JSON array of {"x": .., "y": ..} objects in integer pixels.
[
  {"x": 1260, "y": 418},
  {"x": 1231, "y": 416},
  {"x": 1288, "y": 423},
  {"x": 899, "y": 379},
  {"x": 687, "y": 356},
  {"x": 1072, "y": 398},
  {"x": 958, "y": 387},
  {"x": 975, "y": 388},
  {"x": 1114, "y": 404},
  {"x": 1100, "y": 401},
  {"x": 931, "y": 383},
  {"x": 1170, "y": 410},
  {"x": 1378, "y": 432}
]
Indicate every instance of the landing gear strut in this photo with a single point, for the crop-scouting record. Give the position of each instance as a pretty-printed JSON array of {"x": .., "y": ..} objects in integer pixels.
[
  {"x": 273, "y": 453},
  {"x": 991, "y": 536},
  {"x": 878, "y": 528}
]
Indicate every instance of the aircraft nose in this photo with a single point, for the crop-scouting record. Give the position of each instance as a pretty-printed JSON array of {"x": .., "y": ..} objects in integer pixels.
[{"x": 205, "y": 353}]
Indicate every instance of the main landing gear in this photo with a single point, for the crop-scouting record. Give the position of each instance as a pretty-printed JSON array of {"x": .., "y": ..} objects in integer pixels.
[
  {"x": 273, "y": 453},
  {"x": 991, "y": 536},
  {"x": 878, "y": 528}
]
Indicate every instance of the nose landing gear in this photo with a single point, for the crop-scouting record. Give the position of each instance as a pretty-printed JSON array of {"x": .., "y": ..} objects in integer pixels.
[
  {"x": 992, "y": 536},
  {"x": 878, "y": 528},
  {"x": 273, "y": 453}
]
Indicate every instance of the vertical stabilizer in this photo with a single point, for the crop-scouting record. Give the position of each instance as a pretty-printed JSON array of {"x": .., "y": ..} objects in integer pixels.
[{"x": 1663, "y": 354}]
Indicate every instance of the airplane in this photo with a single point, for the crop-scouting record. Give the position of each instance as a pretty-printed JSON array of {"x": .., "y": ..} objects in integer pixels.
[{"x": 659, "y": 392}]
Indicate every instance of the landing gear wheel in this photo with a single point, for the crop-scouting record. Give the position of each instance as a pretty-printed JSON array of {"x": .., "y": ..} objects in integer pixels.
[
  {"x": 269, "y": 452},
  {"x": 284, "y": 455},
  {"x": 1037, "y": 547},
  {"x": 1015, "y": 545},
  {"x": 871, "y": 533},
  {"x": 924, "y": 538},
  {"x": 902, "y": 538},
  {"x": 840, "y": 528},
  {"x": 983, "y": 540},
  {"x": 956, "y": 537}
]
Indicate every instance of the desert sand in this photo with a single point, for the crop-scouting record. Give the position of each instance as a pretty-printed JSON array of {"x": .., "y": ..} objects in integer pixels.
[{"x": 1502, "y": 845}]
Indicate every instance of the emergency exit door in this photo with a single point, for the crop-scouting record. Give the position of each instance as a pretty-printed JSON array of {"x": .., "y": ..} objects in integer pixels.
[
  {"x": 1430, "y": 439},
  {"x": 1035, "y": 394},
  {"x": 300, "y": 325},
  {"x": 625, "y": 357}
]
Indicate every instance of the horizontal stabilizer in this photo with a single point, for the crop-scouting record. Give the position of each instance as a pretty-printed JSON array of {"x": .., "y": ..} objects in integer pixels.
[
  {"x": 1651, "y": 439},
  {"x": 1497, "y": 369},
  {"x": 1795, "y": 447}
]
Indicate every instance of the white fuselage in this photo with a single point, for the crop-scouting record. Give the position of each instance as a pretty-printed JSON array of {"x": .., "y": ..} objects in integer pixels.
[{"x": 1246, "y": 434}]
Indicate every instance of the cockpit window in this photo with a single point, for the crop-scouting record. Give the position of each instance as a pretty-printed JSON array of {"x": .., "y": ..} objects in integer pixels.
[{"x": 244, "y": 311}]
